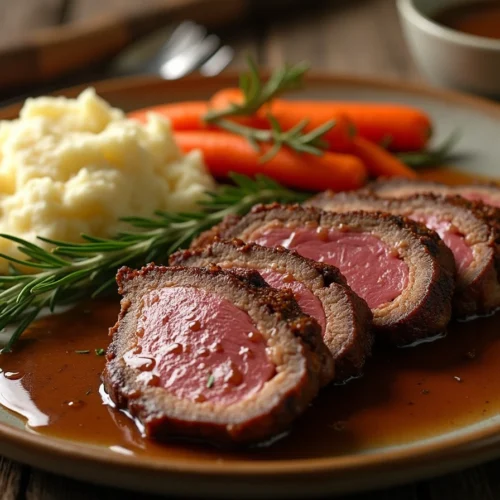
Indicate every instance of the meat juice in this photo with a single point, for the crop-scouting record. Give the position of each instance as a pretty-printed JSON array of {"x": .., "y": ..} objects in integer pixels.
[{"x": 53, "y": 381}]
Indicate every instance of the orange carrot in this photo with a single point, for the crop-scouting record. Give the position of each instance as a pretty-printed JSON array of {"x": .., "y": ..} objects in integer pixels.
[
  {"x": 287, "y": 115},
  {"x": 224, "y": 152},
  {"x": 404, "y": 128},
  {"x": 379, "y": 162},
  {"x": 225, "y": 97},
  {"x": 182, "y": 115},
  {"x": 189, "y": 115}
]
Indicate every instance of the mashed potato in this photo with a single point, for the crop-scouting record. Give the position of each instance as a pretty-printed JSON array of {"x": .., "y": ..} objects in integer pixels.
[{"x": 72, "y": 166}]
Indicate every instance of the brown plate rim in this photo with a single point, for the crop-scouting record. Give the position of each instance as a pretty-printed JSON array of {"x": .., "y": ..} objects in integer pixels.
[{"x": 474, "y": 446}]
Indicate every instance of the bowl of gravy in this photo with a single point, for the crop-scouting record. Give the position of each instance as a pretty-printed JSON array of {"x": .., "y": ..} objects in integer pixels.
[{"x": 455, "y": 43}]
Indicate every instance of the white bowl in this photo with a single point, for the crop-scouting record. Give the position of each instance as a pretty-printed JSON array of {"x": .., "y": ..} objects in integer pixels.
[{"x": 448, "y": 57}]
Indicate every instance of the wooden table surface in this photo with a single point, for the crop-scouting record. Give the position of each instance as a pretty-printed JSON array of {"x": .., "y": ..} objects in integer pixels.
[{"x": 360, "y": 37}]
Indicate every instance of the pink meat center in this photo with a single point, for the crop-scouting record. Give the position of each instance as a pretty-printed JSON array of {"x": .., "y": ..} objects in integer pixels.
[
  {"x": 366, "y": 262},
  {"x": 199, "y": 346},
  {"x": 478, "y": 196},
  {"x": 307, "y": 301},
  {"x": 452, "y": 239}
]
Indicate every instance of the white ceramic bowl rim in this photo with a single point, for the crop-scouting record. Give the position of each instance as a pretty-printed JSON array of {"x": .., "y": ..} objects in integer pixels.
[{"x": 409, "y": 10}]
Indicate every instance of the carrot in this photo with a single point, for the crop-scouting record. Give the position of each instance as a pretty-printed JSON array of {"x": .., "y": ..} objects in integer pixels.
[
  {"x": 338, "y": 137},
  {"x": 225, "y": 152},
  {"x": 182, "y": 115},
  {"x": 379, "y": 162},
  {"x": 404, "y": 128},
  {"x": 189, "y": 115},
  {"x": 225, "y": 97}
]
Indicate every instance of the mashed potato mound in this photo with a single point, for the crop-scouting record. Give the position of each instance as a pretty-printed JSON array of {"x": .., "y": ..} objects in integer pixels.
[{"x": 72, "y": 166}]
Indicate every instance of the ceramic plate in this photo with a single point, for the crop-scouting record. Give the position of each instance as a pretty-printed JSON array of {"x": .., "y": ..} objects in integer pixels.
[{"x": 299, "y": 474}]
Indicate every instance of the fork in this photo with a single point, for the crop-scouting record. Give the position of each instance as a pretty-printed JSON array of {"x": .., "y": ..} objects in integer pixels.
[
  {"x": 48, "y": 54},
  {"x": 188, "y": 48}
]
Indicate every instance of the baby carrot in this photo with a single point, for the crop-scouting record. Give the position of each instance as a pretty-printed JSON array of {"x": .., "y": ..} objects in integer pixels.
[
  {"x": 189, "y": 115},
  {"x": 287, "y": 115},
  {"x": 379, "y": 162},
  {"x": 404, "y": 128},
  {"x": 225, "y": 97},
  {"x": 225, "y": 152},
  {"x": 182, "y": 115}
]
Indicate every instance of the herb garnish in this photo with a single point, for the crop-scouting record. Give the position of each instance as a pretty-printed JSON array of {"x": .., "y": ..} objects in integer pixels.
[
  {"x": 100, "y": 352},
  {"x": 86, "y": 351},
  {"x": 430, "y": 157},
  {"x": 210, "y": 381},
  {"x": 256, "y": 94},
  {"x": 73, "y": 271}
]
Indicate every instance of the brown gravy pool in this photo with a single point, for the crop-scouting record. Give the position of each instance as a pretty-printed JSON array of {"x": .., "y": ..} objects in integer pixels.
[{"x": 405, "y": 394}]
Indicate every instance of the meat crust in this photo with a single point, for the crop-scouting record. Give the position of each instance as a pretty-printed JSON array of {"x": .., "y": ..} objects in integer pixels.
[
  {"x": 488, "y": 193},
  {"x": 422, "y": 310},
  {"x": 478, "y": 287},
  {"x": 294, "y": 346},
  {"x": 348, "y": 318}
]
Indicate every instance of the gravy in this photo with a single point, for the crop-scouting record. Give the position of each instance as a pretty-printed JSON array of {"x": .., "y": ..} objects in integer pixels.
[
  {"x": 478, "y": 18},
  {"x": 405, "y": 394},
  {"x": 52, "y": 379}
]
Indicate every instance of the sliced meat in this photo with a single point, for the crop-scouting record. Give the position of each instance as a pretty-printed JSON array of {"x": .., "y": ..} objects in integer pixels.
[
  {"x": 464, "y": 228},
  {"x": 320, "y": 290},
  {"x": 402, "y": 188},
  {"x": 403, "y": 270},
  {"x": 202, "y": 353}
]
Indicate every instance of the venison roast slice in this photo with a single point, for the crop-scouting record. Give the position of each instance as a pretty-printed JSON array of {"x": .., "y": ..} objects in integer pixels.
[
  {"x": 489, "y": 194},
  {"x": 320, "y": 290},
  {"x": 402, "y": 270},
  {"x": 206, "y": 354},
  {"x": 463, "y": 226}
]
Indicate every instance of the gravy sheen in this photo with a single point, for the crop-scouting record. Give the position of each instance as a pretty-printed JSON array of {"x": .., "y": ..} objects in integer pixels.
[
  {"x": 53, "y": 380},
  {"x": 478, "y": 18}
]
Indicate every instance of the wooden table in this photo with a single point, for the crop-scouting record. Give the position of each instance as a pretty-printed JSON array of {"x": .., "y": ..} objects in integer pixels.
[{"x": 359, "y": 37}]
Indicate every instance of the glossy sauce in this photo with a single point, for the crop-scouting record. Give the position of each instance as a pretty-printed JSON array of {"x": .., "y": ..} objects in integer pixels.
[
  {"x": 405, "y": 395},
  {"x": 479, "y": 18}
]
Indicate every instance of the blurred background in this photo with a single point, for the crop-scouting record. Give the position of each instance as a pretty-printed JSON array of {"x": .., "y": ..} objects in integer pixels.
[{"x": 46, "y": 44}]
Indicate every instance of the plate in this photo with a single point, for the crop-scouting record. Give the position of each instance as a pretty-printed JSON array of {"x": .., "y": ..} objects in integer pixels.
[{"x": 437, "y": 452}]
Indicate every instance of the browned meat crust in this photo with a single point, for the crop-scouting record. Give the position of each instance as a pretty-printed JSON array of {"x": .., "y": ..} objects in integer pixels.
[
  {"x": 402, "y": 188},
  {"x": 294, "y": 346},
  {"x": 348, "y": 326},
  {"x": 423, "y": 309},
  {"x": 478, "y": 287}
]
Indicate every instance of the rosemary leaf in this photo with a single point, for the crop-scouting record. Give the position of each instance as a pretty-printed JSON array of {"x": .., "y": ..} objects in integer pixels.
[
  {"x": 256, "y": 94},
  {"x": 25, "y": 322},
  {"x": 72, "y": 271},
  {"x": 433, "y": 157}
]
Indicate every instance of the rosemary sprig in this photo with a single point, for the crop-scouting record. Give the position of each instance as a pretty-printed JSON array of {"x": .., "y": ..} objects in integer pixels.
[
  {"x": 431, "y": 157},
  {"x": 72, "y": 271},
  {"x": 256, "y": 94},
  {"x": 311, "y": 142}
]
